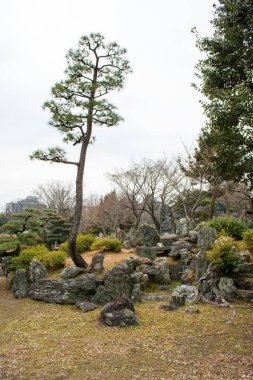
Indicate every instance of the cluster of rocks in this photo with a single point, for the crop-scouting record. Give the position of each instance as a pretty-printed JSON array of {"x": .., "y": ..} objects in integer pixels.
[
  {"x": 127, "y": 279},
  {"x": 179, "y": 254}
]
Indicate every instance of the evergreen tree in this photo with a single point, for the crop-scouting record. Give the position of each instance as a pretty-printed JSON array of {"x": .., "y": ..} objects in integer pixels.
[
  {"x": 93, "y": 70},
  {"x": 34, "y": 226},
  {"x": 226, "y": 76}
]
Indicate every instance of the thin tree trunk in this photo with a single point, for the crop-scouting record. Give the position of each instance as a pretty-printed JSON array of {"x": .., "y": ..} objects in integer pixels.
[
  {"x": 76, "y": 257},
  {"x": 212, "y": 205}
]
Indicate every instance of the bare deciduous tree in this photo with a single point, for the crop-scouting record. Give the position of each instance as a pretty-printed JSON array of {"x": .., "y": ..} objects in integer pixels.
[{"x": 57, "y": 195}]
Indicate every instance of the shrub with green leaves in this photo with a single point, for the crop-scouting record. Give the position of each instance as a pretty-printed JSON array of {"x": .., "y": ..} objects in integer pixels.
[
  {"x": 83, "y": 243},
  {"x": 224, "y": 254},
  {"x": 248, "y": 238},
  {"x": 51, "y": 259},
  {"x": 230, "y": 225},
  {"x": 107, "y": 244}
]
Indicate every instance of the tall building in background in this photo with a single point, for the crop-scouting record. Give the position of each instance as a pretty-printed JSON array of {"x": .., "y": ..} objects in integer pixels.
[{"x": 20, "y": 206}]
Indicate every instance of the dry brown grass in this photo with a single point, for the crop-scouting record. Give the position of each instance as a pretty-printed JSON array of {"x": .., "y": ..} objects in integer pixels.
[{"x": 111, "y": 258}]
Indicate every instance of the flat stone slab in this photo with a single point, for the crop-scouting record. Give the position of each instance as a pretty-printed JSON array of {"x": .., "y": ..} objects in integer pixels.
[
  {"x": 154, "y": 297},
  {"x": 67, "y": 291},
  {"x": 72, "y": 272},
  {"x": 246, "y": 294}
]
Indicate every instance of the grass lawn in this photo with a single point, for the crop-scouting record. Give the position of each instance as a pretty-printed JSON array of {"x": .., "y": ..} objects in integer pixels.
[{"x": 47, "y": 341}]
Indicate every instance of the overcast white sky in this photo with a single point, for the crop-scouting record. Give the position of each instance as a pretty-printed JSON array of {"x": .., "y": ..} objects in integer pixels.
[{"x": 158, "y": 104}]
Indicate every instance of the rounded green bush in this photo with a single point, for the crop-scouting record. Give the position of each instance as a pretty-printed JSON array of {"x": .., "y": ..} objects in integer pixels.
[
  {"x": 83, "y": 243},
  {"x": 107, "y": 244},
  {"x": 224, "y": 254},
  {"x": 230, "y": 225},
  {"x": 51, "y": 259},
  {"x": 248, "y": 237}
]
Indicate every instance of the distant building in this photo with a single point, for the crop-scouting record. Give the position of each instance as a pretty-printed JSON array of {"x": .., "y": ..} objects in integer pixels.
[{"x": 20, "y": 206}]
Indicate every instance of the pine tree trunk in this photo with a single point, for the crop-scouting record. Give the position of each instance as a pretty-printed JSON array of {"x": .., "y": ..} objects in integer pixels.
[{"x": 75, "y": 255}]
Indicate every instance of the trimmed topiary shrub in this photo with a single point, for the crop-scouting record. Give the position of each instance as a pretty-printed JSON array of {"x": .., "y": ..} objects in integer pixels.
[
  {"x": 224, "y": 254},
  {"x": 83, "y": 243},
  {"x": 107, "y": 244},
  {"x": 230, "y": 225},
  {"x": 51, "y": 259},
  {"x": 248, "y": 238}
]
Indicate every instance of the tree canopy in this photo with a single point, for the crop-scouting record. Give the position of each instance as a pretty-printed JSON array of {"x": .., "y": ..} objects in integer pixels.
[
  {"x": 226, "y": 81},
  {"x": 78, "y": 102}
]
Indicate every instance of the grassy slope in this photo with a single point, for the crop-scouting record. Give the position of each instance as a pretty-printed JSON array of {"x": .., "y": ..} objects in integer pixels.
[{"x": 45, "y": 341}]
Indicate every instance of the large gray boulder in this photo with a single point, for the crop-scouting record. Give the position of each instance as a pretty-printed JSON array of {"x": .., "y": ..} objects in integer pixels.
[
  {"x": 179, "y": 246},
  {"x": 139, "y": 278},
  {"x": 67, "y": 291},
  {"x": 37, "y": 271},
  {"x": 147, "y": 235},
  {"x": 168, "y": 239},
  {"x": 206, "y": 237},
  {"x": 162, "y": 271},
  {"x": 144, "y": 251},
  {"x": 117, "y": 281},
  {"x": 148, "y": 269},
  {"x": 227, "y": 288},
  {"x": 119, "y": 313},
  {"x": 20, "y": 285},
  {"x": 102, "y": 296},
  {"x": 190, "y": 292}
]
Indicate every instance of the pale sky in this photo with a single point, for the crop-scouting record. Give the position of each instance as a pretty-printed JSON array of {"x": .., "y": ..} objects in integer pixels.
[{"x": 160, "y": 108}]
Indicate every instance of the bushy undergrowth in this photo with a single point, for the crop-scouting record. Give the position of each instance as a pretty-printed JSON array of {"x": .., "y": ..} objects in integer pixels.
[
  {"x": 224, "y": 254},
  {"x": 83, "y": 243},
  {"x": 230, "y": 225},
  {"x": 51, "y": 259},
  {"x": 107, "y": 244},
  {"x": 248, "y": 238}
]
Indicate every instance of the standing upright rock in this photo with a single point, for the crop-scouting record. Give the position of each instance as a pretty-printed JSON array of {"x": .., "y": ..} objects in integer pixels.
[
  {"x": 37, "y": 271},
  {"x": 97, "y": 263},
  {"x": 183, "y": 227},
  {"x": 167, "y": 224},
  {"x": 147, "y": 236},
  {"x": 20, "y": 285},
  {"x": 206, "y": 237},
  {"x": 117, "y": 281}
]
